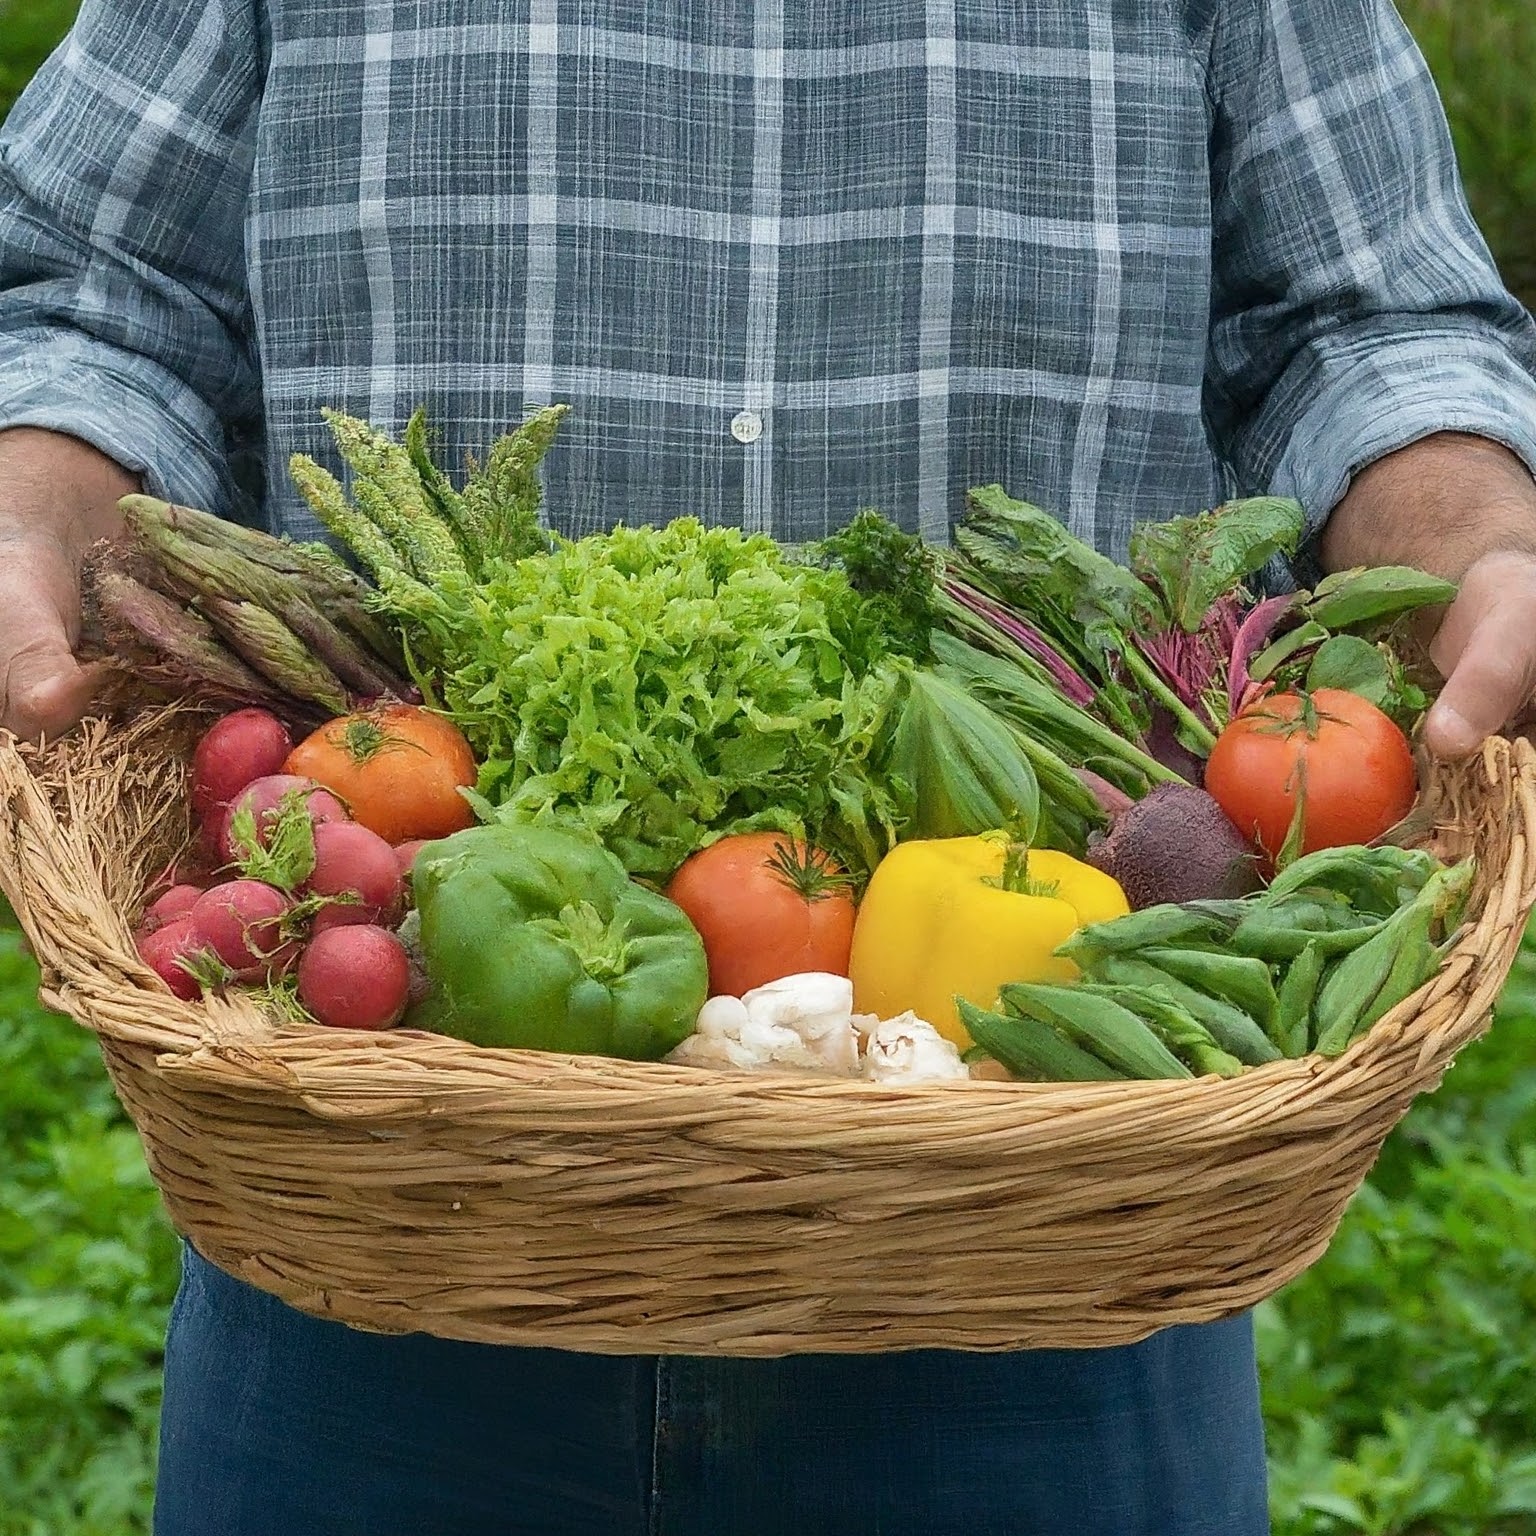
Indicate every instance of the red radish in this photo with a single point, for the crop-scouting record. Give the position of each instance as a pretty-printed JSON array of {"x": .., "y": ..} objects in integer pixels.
[
  {"x": 241, "y": 921},
  {"x": 406, "y": 853},
  {"x": 264, "y": 796},
  {"x": 355, "y": 978},
  {"x": 176, "y": 902},
  {"x": 358, "y": 865},
  {"x": 161, "y": 950},
  {"x": 235, "y": 751}
]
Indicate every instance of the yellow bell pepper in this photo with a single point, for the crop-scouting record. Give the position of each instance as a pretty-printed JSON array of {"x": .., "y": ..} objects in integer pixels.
[{"x": 936, "y": 922}]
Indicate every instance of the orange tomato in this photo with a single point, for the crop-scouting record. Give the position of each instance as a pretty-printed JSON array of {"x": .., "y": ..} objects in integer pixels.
[
  {"x": 398, "y": 768},
  {"x": 766, "y": 906}
]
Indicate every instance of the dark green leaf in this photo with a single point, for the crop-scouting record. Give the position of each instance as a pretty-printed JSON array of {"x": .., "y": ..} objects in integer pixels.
[
  {"x": 1278, "y": 652},
  {"x": 1195, "y": 560},
  {"x": 1348, "y": 662},
  {"x": 1348, "y": 599}
]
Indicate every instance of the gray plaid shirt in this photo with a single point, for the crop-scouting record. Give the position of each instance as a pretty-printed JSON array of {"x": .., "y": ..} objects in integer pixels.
[{"x": 786, "y": 258}]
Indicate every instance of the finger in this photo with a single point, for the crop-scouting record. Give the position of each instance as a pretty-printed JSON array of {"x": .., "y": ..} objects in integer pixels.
[
  {"x": 43, "y": 689},
  {"x": 1492, "y": 676}
]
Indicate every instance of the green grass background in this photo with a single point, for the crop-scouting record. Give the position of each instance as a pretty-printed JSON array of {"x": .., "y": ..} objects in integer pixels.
[{"x": 1399, "y": 1373}]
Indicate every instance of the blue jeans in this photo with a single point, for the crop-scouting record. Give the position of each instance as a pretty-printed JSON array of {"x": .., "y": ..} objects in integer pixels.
[{"x": 276, "y": 1424}]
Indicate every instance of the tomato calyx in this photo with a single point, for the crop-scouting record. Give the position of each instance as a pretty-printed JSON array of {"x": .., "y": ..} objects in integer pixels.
[
  {"x": 807, "y": 871},
  {"x": 363, "y": 739},
  {"x": 1309, "y": 719}
]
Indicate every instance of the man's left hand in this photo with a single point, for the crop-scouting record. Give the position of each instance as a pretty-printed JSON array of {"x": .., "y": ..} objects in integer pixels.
[{"x": 1463, "y": 508}]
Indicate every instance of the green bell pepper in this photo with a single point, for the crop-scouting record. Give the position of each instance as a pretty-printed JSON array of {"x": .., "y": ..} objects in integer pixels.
[{"x": 535, "y": 937}]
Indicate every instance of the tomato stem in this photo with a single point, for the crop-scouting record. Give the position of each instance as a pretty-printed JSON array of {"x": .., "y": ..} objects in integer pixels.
[{"x": 808, "y": 871}]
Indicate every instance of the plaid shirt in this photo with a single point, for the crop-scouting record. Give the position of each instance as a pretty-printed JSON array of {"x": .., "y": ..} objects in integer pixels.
[{"x": 786, "y": 258}]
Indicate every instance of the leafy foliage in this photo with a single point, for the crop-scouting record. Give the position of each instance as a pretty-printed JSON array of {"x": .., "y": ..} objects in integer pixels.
[
  {"x": 87, "y": 1271},
  {"x": 29, "y": 31},
  {"x": 1400, "y": 1372},
  {"x": 1483, "y": 54}
]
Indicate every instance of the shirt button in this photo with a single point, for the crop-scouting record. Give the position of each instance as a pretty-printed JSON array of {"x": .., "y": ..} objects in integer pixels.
[{"x": 746, "y": 426}]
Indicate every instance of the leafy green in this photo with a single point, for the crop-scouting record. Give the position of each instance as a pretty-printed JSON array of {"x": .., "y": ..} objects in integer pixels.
[
  {"x": 959, "y": 765},
  {"x": 1193, "y": 561},
  {"x": 895, "y": 572},
  {"x": 1348, "y": 662},
  {"x": 1081, "y": 601},
  {"x": 285, "y": 857},
  {"x": 662, "y": 687},
  {"x": 1357, "y": 598}
]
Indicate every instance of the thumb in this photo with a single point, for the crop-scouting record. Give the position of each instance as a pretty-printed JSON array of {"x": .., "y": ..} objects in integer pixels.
[
  {"x": 1490, "y": 677},
  {"x": 43, "y": 689}
]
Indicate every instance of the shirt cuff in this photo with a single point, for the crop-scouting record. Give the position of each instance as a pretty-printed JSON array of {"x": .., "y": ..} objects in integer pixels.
[
  {"x": 123, "y": 405},
  {"x": 1391, "y": 393}
]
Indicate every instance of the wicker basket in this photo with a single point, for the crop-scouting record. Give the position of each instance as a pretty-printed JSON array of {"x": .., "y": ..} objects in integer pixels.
[{"x": 406, "y": 1182}]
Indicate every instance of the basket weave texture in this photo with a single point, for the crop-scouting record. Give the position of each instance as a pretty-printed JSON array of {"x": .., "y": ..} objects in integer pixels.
[{"x": 405, "y": 1181}]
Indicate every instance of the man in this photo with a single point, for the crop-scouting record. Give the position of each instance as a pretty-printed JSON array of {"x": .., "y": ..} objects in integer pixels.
[{"x": 786, "y": 258}]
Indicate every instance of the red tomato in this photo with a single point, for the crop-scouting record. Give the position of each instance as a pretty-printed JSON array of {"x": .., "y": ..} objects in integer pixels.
[
  {"x": 766, "y": 906},
  {"x": 1348, "y": 764}
]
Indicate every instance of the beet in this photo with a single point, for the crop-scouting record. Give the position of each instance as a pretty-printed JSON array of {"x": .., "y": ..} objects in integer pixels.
[{"x": 1176, "y": 845}]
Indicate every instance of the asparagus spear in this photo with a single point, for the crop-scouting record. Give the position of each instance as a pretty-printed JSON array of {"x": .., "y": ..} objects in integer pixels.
[{"x": 165, "y": 643}]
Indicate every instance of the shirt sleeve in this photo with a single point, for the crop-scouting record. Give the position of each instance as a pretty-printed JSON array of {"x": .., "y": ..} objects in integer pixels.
[
  {"x": 1356, "y": 307},
  {"x": 124, "y": 308}
]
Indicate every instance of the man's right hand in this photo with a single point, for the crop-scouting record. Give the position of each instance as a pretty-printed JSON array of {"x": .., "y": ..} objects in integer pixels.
[{"x": 60, "y": 496}]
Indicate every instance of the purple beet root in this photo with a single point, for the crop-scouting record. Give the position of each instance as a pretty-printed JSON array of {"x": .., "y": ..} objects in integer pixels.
[{"x": 1176, "y": 845}]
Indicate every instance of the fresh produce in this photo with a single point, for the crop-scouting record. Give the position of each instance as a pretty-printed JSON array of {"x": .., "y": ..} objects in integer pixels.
[
  {"x": 206, "y": 609},
  {"x": 766, "y": 906},
  {"x": 1167, "y": 650},
  {"x": 536, "y": 937},
  {"x": 961, "y": 768},
  {"x": 246, "y": 745},
  {"x": 257, "y": 810},
  {"x": 948, "y": 774},
  {"x": 398, "y": 769},
  {"x": 1175, "y": 845},
  {"x": 356, "y": 875},
  {"x": 800, "y": 1022},
  {"x": 354, "y": 978},
  {"x": 1329, "y": 762},
  {"x": 806, "y": 1023},
  {"x": 963, "y": 917},
  {"x": 662, "y": 687},
  {"x": 405, "y": 853},
  {"x": 174, "y": 903},
  {"x": 172, "y": 951},
  {"x": 241, "y": 922},
  {"x": 1336, "y": 942}
]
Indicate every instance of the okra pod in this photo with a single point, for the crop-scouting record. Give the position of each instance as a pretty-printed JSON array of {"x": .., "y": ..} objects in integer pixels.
[
  {"x": 1166, "y": 924},
  {"x": 1241, "y": 980},
  {"x": 1032, "y": 1050},
  {"x": 1177, "y": 1028},
  {"x": 1281, "y": 932},
  {"x": 1298, "y": 990},
  {"x": 1233, "y": 1029},
  {"x": 1098, "y": 1025}
]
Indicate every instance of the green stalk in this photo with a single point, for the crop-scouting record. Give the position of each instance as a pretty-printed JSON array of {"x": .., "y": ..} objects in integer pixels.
[
  {"x": 1145, "y": 674},
  {"x": 1037, "y": 701}
]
